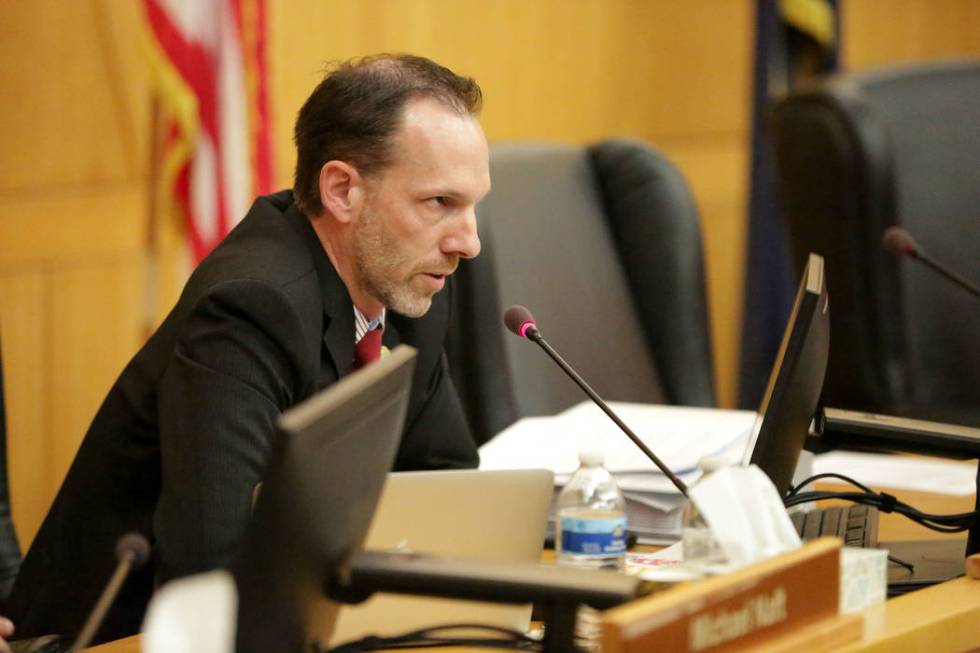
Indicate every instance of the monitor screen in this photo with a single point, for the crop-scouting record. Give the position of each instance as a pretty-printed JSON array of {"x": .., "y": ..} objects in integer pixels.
[
  {"x": 795, "y": 383},
  {"x": 316, "y": 503}
]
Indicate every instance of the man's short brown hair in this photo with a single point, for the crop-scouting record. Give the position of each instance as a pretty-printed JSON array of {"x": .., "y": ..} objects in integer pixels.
[{"x": 352, "y": 113}]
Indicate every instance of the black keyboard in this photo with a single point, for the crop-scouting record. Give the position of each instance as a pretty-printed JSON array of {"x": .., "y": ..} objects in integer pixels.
[{"x": 856, "y": 524}]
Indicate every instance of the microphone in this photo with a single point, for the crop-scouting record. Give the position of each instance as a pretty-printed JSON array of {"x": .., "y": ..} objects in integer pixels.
[
  {"x": 899, "y": 243},
  {"x": 520, "y": 321},
  {"x": 132, "y": 552}
]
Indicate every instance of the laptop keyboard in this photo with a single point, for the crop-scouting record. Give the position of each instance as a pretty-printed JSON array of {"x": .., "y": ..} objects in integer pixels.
[{"x": 856, "y": 524}]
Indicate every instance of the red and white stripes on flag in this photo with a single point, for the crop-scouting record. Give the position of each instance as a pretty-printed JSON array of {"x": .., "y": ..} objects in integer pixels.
[{"x": 209, "y": 72}]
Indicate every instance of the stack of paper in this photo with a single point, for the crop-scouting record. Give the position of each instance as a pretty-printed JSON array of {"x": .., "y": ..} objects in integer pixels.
[
  {"x": 883, "y": 470},
  {"x": 679, "y": 436}
]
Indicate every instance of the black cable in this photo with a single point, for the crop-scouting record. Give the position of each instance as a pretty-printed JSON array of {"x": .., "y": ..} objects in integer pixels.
[
  {"x": 428, "y": 637},
  {"x": 902, "y": 563},
  {"x": 885, "y": 502},
  {"x": 817, "y": 477},
  {"x": 955, "y": 523},
  {"x": 882, "y": 501},
  {"x": 381, "y": 644}
]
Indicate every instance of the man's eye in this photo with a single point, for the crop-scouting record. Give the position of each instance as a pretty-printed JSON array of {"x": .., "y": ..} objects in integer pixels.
[{"x": 441, "y": 200}]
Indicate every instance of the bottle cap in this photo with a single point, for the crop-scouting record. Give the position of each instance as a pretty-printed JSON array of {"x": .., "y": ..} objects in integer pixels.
[
  {"x": 711, "y": 464},
  {"x": 591, "y": 457}
]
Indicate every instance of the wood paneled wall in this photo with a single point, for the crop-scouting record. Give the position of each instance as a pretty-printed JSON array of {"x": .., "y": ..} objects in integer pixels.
[{"x": 74, "y": 127}]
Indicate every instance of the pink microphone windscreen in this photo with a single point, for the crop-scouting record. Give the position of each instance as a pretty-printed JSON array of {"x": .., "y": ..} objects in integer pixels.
[
  {"x": 899, "y": 242},
  {"x": 517, "y": 318}
]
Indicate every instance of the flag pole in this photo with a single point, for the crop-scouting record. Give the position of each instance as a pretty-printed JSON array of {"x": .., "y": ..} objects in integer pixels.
[{"x": 151, "y": 240}]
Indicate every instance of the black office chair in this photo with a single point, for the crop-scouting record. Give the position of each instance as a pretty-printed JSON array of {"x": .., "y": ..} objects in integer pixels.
[
  {"x": 9, "y": 546},
  {"x": 603, "y": 245},
  {"x": 862, "y": 152}
]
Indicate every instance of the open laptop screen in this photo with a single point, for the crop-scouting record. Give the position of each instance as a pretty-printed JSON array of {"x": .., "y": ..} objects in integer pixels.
[
  {"x": 795, "y": 383},
  {"x": 316, "y": 503}
]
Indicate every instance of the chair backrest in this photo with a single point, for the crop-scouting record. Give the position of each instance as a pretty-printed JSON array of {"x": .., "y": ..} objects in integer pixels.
[
  {"x": 9, "y": 546},
  {"x": 603, "y": 245},
  {"x": 858, "y": 154}
]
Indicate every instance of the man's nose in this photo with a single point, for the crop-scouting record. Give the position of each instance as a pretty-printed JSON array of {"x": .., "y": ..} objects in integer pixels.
[{"x": 463, "y": 240}]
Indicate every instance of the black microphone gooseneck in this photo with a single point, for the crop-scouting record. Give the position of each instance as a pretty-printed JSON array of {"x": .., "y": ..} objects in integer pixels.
[
  {"x": 132, "y": 552},
  {"x": 520, "y": 321},
  {"x": 899, "y": 243}
]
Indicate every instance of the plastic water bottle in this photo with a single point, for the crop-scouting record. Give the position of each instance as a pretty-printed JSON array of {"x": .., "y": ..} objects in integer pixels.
[
  {"x": 700, "y": 546},
  {"x": 591, "y": 518}
]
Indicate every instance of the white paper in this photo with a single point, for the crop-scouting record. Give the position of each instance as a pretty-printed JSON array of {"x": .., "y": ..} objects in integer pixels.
[
  {"x": 900, "y": 472},
  {"x": 664, "y": 566},
  {"x": 679, "y": 436},
  {"x": 746, "y": 515},
  {"x": 648, "y": 482},
  {"x": 195, "y": 614},
  {"x": 663, "y": 502}
]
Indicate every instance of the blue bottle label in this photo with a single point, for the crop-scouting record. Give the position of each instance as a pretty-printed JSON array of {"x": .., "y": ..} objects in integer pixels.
[{"x": 593, "y": 536}]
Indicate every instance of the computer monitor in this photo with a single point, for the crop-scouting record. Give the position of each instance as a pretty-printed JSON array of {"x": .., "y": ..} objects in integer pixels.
[
  {"x": 790, "y": 404},
  {"x": 316, "y": 504},
  {"x": 795, "y": 383}
]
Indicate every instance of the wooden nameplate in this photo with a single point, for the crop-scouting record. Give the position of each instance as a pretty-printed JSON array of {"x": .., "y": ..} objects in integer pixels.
[{"x": 790, "y": 600}]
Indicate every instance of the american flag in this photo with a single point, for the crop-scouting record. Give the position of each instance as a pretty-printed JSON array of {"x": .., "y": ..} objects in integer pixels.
[{"x": 208, "y": 59}]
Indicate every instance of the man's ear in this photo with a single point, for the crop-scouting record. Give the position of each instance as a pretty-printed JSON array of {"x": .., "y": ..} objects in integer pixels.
[{"x": 341, "y": 190}]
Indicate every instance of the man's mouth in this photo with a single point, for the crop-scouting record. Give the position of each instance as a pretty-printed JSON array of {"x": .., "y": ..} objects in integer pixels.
[
  {"x": 436, "y": 279},
  {"x": 440, "y": 275},
  {"x": 436, "y": 275}
]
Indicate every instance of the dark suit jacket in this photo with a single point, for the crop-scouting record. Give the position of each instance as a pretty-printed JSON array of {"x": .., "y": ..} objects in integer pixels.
[{"x": 185, "y": 433}]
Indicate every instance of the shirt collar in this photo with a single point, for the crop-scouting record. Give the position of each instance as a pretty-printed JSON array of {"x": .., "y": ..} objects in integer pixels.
[{"x": 362, "y": 325}]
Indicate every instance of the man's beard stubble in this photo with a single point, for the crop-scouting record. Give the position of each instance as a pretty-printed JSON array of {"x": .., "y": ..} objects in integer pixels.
[{"x": 380, "y": 264}]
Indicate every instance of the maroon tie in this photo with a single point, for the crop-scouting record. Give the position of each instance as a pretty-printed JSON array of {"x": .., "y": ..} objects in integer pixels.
[{"x": 368, "y": 349}]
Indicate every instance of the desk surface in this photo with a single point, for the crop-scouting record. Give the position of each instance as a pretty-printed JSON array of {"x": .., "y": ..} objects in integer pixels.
[{"x": 940, "y": 618}]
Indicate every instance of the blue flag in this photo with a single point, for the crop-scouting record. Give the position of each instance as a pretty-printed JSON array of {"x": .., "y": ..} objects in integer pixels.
[{"x": 795, "y": 40}]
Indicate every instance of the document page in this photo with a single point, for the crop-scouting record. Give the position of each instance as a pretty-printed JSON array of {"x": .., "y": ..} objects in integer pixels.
[
  {"x": 679, "y": 436},
  {"x": 900, "y": 472}
]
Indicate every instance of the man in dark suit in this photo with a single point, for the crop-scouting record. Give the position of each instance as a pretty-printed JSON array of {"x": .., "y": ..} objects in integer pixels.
[{"x": 390, "y": 165}]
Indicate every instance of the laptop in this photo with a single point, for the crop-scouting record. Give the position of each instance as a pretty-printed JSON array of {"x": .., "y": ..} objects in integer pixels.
[
  {"x": 497, "y": 516},
  {"x": 325, "y": 476}
]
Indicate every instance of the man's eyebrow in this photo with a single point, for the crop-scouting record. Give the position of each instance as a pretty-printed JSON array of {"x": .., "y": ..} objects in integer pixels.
[
  {"x": 450, "y": 191},
  {"x": 443, "y": 192}
]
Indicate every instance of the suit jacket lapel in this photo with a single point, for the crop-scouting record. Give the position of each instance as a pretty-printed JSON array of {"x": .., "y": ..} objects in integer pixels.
[
  {"x": 390, "y": 337},
  {"x": 338, "y": 310}
]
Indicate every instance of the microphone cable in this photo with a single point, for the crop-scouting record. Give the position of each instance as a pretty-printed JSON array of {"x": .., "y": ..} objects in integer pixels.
[{"x": 884, "y": 502}]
